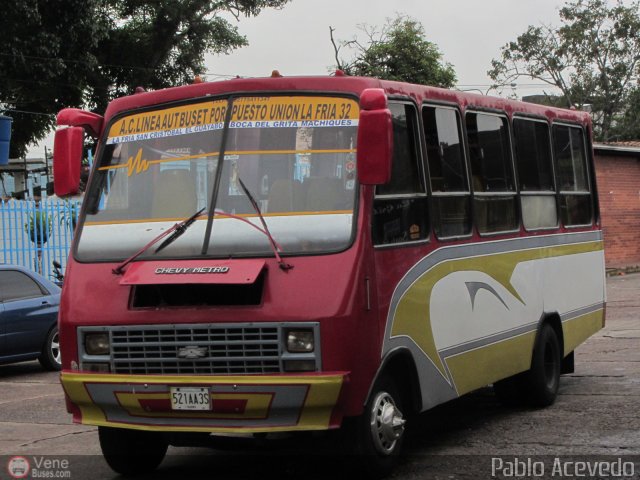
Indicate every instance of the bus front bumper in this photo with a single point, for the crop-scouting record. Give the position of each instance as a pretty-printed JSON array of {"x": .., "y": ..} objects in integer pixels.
[{"x": 239, "y": 404}]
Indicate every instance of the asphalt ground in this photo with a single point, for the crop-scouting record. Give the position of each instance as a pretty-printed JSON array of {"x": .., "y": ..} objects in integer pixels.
[{"x": 595, "y": 423}]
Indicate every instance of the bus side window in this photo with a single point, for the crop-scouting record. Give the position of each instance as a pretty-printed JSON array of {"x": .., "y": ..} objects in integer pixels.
[
  {"x": 494, "y": 193},
  {"x": 451, "y": 199},
  {"x": 535, "y": 174},
  {"x": 400, "y": 211},
  {"x": 571, "y": 171}
]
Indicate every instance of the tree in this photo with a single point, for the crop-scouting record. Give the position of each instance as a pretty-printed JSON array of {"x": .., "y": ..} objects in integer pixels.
[
  {"x": 397, "y": 51},
  {"x": 45, "y": 54},
  {"x": 593, "y": 58},
  {"x": 83, "y": 53},
  {"x": 627, "y": 126}
]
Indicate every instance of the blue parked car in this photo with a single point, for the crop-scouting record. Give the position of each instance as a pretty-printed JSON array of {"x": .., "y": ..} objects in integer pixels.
[{"x": 28, "y": 317}]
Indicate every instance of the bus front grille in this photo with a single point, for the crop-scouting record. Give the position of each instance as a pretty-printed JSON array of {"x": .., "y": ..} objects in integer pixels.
[
  {"x": 212, "y": 349},
  {"x": 196, "y": 350}
]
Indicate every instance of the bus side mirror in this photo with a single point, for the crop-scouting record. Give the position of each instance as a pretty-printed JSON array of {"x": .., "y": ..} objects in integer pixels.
[
  {"x": 74, "y": 117},
  {"x": 68, "y": 147},
  {"x": 67, "y": 160},
  {"x": 375, "y": 138}
]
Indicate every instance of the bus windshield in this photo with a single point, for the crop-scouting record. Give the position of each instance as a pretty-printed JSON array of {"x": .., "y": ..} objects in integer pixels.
[{"x": 295, "y": 155}]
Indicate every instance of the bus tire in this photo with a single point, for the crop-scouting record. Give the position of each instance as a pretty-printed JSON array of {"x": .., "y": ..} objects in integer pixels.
[
  {"x": 132, "y": 452},
  {"x": 380, "y": 429},
  {"x": 543, "y": 378}
]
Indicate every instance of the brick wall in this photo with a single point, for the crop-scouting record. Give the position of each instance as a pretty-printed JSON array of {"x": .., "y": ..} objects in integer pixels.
[{"x": 618, "y": 180}]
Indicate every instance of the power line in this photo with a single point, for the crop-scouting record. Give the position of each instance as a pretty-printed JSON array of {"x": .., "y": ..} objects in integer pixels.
[
  {"x": 46, "y": 82},
  {"x": 29, "y": 113},
  {"x": 94, "y": 64},
  {"x": 517, "y": 85},
  {"x": 67, "y": 60}
]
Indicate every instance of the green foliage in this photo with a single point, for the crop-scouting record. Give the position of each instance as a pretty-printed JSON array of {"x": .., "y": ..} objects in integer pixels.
[
  {"x": 83, "y": 53},
  {"x": 627, "y": 126},
  {"x": 593, "y": 58},
  {"x": 398, "y": 51},
  {"x": 38, "y": 226},
  {"x": 45, "y": 56},
  {"x": 68, "y": 216}
]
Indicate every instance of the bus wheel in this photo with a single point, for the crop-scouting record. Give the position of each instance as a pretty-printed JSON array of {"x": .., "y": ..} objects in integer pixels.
[
  {"x": 544, "y": 377},
  {"x": 381, "y": 429},
  {"x": 132, "y": 452}
]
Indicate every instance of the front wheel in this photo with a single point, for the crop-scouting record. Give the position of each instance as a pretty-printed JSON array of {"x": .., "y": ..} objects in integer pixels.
[
  {"x": 380, "y": 429},
  {"x": 132, "y": 452},
  {"x": 50, "y": 357}
]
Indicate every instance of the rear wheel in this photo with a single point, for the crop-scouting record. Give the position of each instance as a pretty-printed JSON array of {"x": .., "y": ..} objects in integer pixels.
[
  {"x": 380, "y": 429},
  {"x": 544, "y": 377},
  {"x": 50, "y": 357},
  {"x": 132, "y": 452},
  {"x": 538, "y": 386}
]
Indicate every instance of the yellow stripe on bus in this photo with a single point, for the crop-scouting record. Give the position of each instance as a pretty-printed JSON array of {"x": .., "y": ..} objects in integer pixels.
[
  {"x": 139, "y": 164},
  {"x": 316, "y": 410},
  {"x": 415, "y": 302}
]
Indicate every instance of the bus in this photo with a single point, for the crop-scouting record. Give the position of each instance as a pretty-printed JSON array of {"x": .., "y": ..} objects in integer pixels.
[{"x": 313, "y": 253}]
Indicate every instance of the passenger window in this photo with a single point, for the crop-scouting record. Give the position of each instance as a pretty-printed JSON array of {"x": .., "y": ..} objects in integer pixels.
[
  {"x": 571, "y": 168},
  {"x": 451, "y": 199},
  {"x": 535, "y": 174},
  {"x": 16, "y": 285},
  {"x": 493, "y": 186},
  {"x": 400, "y": 212},
  {"x": 405, "y": 171}
]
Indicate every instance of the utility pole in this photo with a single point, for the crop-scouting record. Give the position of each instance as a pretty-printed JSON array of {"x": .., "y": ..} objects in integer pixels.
[{"x": 46, "y": 164}]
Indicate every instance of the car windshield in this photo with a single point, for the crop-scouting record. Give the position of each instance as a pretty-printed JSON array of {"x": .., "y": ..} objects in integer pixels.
[{"x": 295, "y": 155}]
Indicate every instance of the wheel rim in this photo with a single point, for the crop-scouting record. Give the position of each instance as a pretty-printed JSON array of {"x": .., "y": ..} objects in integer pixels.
[
  {"x": 387, "y": 423},
  {"x": 551, "y": 365},
  {"x": 55, "y": 349}
]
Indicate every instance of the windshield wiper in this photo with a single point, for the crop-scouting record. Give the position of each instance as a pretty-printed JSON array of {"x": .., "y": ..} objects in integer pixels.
[
  {"x": 274, "y": 246},
  {"x": 179, "y": 229},
  {"x": 175, "y": 231}
]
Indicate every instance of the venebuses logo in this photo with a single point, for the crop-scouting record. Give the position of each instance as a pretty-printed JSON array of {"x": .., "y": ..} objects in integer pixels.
[{"x": 18, "y": 467}]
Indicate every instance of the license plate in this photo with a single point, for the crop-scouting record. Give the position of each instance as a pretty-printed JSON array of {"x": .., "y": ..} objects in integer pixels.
[{"x": 190, "y": 398}]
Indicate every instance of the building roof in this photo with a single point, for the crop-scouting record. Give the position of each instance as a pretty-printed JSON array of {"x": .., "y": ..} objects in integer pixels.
[{"x": 629, "y": 148}]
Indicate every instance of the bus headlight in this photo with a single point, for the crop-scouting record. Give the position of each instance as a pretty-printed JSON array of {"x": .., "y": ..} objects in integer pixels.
[
  {"x": 97, "y": 343},
  {"x": 300, "y": 341}
]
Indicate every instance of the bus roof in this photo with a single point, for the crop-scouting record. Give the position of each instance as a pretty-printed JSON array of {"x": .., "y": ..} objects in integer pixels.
[{"x": 342, "y": 85}]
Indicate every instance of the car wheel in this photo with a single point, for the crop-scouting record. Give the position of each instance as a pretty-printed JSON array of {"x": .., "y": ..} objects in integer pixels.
[
  {"x": 132, "y": 452},
  {"x": 50, "y": 357}
]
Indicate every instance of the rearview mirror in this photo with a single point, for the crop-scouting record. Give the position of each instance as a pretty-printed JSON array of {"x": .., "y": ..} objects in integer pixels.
[
  {"x": 67, "y": 160},
  {"x": 375, "y": 138}
]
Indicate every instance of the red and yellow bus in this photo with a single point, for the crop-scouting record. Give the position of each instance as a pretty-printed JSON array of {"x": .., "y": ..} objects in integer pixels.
[{"x": 299, "y": 254}]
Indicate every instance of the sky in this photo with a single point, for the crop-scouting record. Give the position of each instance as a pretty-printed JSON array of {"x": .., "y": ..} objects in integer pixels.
[
  {"x": 469, "y": 33},
  {"x": 295, "y": 40}
]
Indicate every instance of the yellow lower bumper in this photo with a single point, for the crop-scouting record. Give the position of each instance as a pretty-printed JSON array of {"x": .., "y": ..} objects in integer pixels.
[{"x": 240, "y": 404}]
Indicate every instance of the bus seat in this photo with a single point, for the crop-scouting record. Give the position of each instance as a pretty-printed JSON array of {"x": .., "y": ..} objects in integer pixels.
[
  {"x": 174, "y": 195},
  {"x": 478, "y": 184},
  {"x": 285, "y": 196},
  {"x": 325, "y": 194}
]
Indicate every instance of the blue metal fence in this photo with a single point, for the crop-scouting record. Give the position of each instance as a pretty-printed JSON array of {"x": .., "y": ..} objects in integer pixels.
[{"x": 35, "y": 233}]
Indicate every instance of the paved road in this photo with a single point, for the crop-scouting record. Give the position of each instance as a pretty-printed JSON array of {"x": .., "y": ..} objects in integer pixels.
[{"x": 597, "y": 413}]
